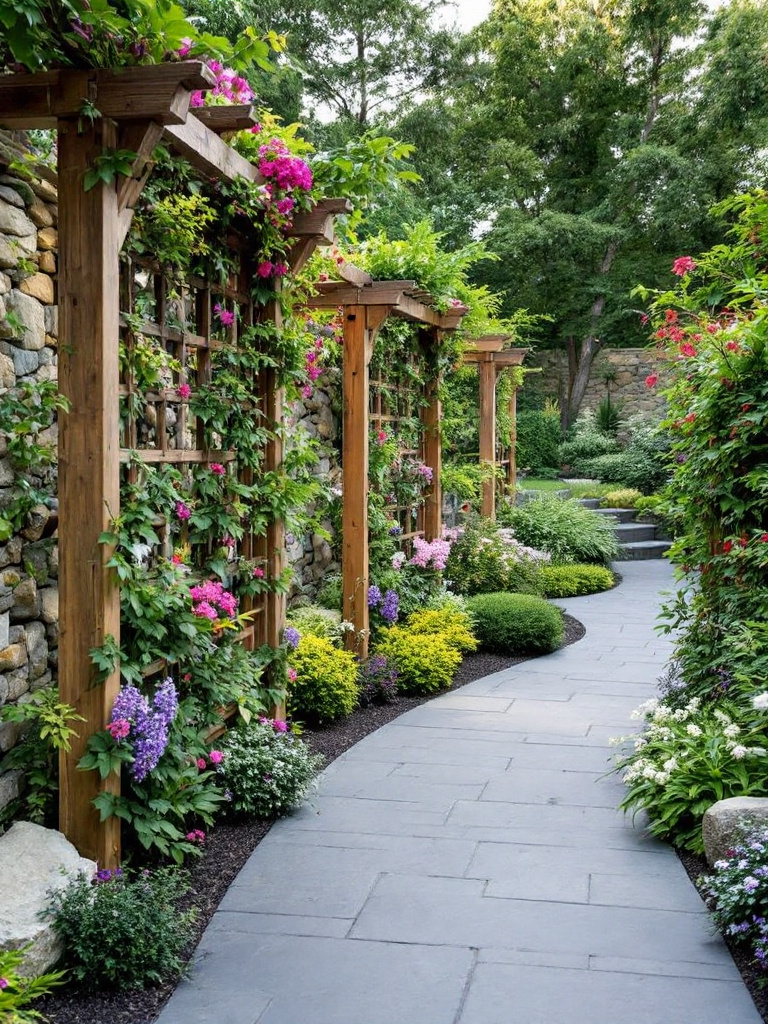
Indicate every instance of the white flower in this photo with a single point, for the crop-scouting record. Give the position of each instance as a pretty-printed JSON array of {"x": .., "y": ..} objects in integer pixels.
[
  {"x": 721, "y": 865},
  {"x": 731, "y": 731},
  {"x": 721, "y": 716},
  {"x": 640, "y": 742},
  {"x": 670, "y": 765},
  {"x": 693, "y": 730},
  {"x": 680, "y": 715},
  {"x": 760, "y": 701},
  {"x": 739, "y": 752},
  {"x": 661, "y": 778}
]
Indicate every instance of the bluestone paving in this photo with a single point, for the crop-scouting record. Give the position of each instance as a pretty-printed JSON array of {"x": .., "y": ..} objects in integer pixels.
[{"x": 466, "y": 864}]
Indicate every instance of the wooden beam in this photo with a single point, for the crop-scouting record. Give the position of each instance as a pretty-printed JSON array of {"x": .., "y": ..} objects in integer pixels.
[
  {"x": 142, "y": 137},
  {"x": 339, "y": 293},
  {"x": 501, "y": 360},
  {"x": 512, "y": 466},
  {"x": 353, "y": 275},
  {"x": 488, "y": 433},
  {"x": 156, "y": 92},
  {"x": 208, "y": 153},
  {"x": 89, "y": 478},
  {"x": 227, "y": 119}
]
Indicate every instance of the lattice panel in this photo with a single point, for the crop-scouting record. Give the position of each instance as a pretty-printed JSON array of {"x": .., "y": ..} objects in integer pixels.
[{"x": 172, "y": 329}]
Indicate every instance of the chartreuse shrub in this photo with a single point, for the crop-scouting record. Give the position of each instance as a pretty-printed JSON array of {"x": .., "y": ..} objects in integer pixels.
[
  {"x": 538, "y": 437},
  {"x": 452, "y": 624},
  {"x": 688, "y": 758},
  {"x": 621, "y": 497},
  {"x": 575, "y": 580},
  {"x": 516, "y": 623},
  {"x": 425, "y": 662},
  {"x": 18, "y": 991},
  {"x": 563, "y": 528},
  {"x": 325, "y": 686},
  {"x": 122, "y": 930},
  {"x": 266, "y": 769},
  {"x": 737, "y": 891}
]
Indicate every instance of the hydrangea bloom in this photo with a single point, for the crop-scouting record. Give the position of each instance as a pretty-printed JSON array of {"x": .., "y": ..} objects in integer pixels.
[
  {"x": 292, "y": 636},
  {"x": 148, "y": 726}
]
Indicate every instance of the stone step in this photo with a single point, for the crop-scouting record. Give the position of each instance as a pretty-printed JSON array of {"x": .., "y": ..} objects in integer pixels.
[
  {"x": 642, "y": 550},
  {"x": 630, "y": 533},
  {"x": 622, "y": 515}
]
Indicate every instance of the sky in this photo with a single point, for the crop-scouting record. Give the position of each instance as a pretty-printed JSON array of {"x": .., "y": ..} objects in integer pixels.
[{"x": 471, "y": 12}]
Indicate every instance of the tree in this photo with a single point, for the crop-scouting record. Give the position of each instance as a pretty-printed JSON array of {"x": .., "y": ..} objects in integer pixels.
[{"x": 596, "y": 136}]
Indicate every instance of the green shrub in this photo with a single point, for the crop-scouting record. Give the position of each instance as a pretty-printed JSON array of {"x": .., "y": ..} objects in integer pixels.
[
  {"x": 454, "y": 626},
  {"x": 325, "y": 687},
  {"x": 266, "y": 768},
  {"x": 562, "y": 527},
  {"x": 622, "y": 497},
  {"x": 538, "y": 436},
  {"x": 575, "y": 580},
  {"x": 315, "y": 620},
  {"x": 516, "y": 623},
  {"x": 122, "y": 930},
  {"x": 589, "y": 489},
  {"x": 425, "y": 662},
  {"x": 642, "y": 464},
  {"x": 608, "y": 415},
  {"x": 485, "y": 559},
  {"x": 330, "y": 594},
  {"x": 586, "y": 443}
]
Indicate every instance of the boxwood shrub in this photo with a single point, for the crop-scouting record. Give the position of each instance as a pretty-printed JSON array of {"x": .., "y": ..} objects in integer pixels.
[
  {"x": 516, "y": 623},
  {"x": 575, "y": 580}
]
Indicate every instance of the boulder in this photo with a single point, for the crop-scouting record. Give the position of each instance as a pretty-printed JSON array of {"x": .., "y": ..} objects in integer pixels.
[
  {"x": 31, "y": 320},
  {"x": 725, "y": 820},
  {"x": 14, "y": 221},
  {"x": 33, "y": 861},
  {"x": 40, "y": 287}
]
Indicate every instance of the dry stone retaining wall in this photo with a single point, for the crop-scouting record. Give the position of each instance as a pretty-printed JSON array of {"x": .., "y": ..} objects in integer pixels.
[
  {"x": 627, "y": 368},
  {"x": 28, "y": 352}
]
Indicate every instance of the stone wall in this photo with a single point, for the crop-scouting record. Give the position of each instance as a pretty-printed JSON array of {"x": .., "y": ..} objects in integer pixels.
[
  {"x": 626, "y": 369},
  {"x": 28, "y": 343}
]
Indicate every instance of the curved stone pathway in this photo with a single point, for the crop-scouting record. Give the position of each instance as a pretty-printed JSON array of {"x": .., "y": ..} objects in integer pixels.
[{"x": 466, "y": 865}]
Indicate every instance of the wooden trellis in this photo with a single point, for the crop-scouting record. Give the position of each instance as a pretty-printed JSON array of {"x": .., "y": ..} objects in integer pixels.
[
  {"x": 491, "y": 357},
  {"x": 365, "y": 306},
  {"x": 137, "y": 107}
]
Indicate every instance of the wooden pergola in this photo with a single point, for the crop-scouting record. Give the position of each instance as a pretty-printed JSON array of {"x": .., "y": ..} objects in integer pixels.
[
  {"x": 366, "y": 304},
  {"x": 136, "y": 108},
  {"x": 490, "y": 356}
]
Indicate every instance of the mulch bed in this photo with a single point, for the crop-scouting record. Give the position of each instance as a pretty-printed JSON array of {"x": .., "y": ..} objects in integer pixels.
[{"x": 228, "y": 847}]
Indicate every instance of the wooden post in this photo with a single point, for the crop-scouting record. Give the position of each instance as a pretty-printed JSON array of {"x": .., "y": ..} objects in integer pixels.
[
  {"x": 488, "y": 432},
  {"x": 431, "y": 418},
  {"x": 89, "y": 480},
  {"x": 272, "y": 622},
  {"x": 360, "y": 326},
  {"x": 512, "y": 466}
]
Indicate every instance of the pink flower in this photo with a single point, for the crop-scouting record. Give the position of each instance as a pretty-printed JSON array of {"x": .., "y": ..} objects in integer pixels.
[
  {"x": 182, "y": 510},
  {"x": 205, "y": 611},
  {"x": 201, "y": 763},
  {"x": 285, "y": 205},
  {"x": 3, "y": 983},
  {"x": 196, "y": 99},
  {"x": 217, "y": 468},
  {"x": 184, "y": 390},
  {"x": 293, "y": 675},
  {"x": 195, "y": 836},
  {"x": 279, "y": 725},
  {"x": 216, "y": 756},
  {"x": 265, "y": 269},
  {"x": 651, "y": 380},
  {"x": 186, "y": 46},
  {"x": 306, "y": 391},
  {"x": 732, "y": 346},
  {"x": 258, "y": 573},
  {"x": 727, "y": 547},
  {"x": 683, "y": 265},
  {"x": 713, "y": 328},
  {"x": 177, "y": 560},
  {"x": 686, "y": 349},
  {"x": 280, "y": 269},
  {"x": 764, "y": 538},
  {"x": 381, "y": 437},
  {"x": 119, "y": 729},
  {"x": 226, "y": 317}
]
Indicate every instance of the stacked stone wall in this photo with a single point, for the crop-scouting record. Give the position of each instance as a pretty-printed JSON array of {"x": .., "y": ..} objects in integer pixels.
[
  {"x": 28, "y": 352},
  {"x": 620, "y": 372}
]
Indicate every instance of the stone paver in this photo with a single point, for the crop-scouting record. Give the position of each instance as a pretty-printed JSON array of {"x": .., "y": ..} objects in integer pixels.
[{"x": 466, "y": 865}]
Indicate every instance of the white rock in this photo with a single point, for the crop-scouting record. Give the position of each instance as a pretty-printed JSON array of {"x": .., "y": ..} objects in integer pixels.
[
  {"x": 724, "y": 821},
  {"x": 33, "y": 861}
]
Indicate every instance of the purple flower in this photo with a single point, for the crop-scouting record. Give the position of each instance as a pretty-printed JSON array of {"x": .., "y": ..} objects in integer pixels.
[
  {"x": 3, "y": 983},
  {"x": 292, "y": 636},
  {"x": 166, "y": 702},
  {"x": 389, "y": 607},
  {"x": 374, "y": 596}
]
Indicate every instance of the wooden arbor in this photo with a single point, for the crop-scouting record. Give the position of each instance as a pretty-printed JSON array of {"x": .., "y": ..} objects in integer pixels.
[
  {"x": 365, "y": 306},
  {"x": 95, "y": 112},
  {"x": 490, "y": 356}
]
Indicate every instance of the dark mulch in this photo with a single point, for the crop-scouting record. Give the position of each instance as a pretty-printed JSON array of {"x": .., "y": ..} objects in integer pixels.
[
  {"x": 229, "y": 846},
  {"x": 754, "y": 979}
]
